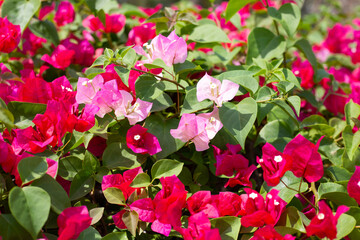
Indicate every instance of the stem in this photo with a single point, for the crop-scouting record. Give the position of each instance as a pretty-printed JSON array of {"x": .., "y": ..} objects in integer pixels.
[
  {"x": 109, "y": 40},
  {"x": 316, "y": 194},
  {"x": 288, "y": 186},
  {"x": 177, "y": 100},
  {"x": 302, "y": 195},
  {"x": 269, "y": 100},
  {"x": 300, "y": 184}
]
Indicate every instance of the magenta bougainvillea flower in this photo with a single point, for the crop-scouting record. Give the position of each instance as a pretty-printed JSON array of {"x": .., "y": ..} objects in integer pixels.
[
  {"x": 171, "y": 49},
  {"x": 61, "y": 57},
  {"x": 121, "y": 182},
  {"x": 65, "y": 13},
  {"x": 274, "y": 164},
  {"x": 242, "y": 177},
  {"x": 306, "y": 161},
  {"x": 202, "y": 201},
  {"x": 269, "y": 233},
  {"x": 228, "y": 161},
  {"x": 10, "y": 35},
  {"x": 140, "y": 35},
  {"x": 45, "y": 10},
  {"x": 215, "y": 90},
  {"x": 72, "y": 221},
  {"x": 113, "y": 23},
  {"x": 141, "y": 141},
  {"x": 324, "y": 223},
  {"x": 353, "y": 186}
]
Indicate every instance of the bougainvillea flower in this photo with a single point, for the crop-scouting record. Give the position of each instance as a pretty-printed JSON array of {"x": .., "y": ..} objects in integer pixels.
[
  {"x": 145, "y": 207},
  {"x": 305, "y": 71},
  {"x": 45, "y": 10},
  {"x": 213, "y": 124},
  {"x": 65, "y": 13},
  {"x": 113, "y": 23},
  {"x": 30, "y": 140},
  {"x": 93, "y": 23},
  {"x": 269, "y": 233},
  {"x": 117, "y": 218},
  {"x": 138, "y": 111},
  {"x": 338, "y": 38},
  {"x": 274, "y": 204},
  {"x": 108, "y": 98},
  {"x": 228, "y": 204},
  {"x": 202, "y": 201},
  {"x": 324, "y": 223},
  {"x": 87, "y": 89},
  {"x": 10, "y": 35},
  {"x": 171, "y": 49},
  {"x": 61, "y": 57},
  {"x": 84, "y": 51},
  {"x": 215, "y": 90},
  {"x": 242, "y": 177},
  {"x": 72, "y": 221},
  {"x": 306, "y": 161},
  {"x": 31, "y": 42},
  {"x": 121, "y": 182},
  {"x": 353, "y": 186},
  {"x": 141, "y": 141},
  {"x": 86, "y": 120},
  {"x": 274, "y": 164},
  {"x": 141, "y": 34},
  {"x": 229, "y": 160}
]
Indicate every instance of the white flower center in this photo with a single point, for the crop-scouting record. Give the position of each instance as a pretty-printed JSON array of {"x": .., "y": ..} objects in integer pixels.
[
  {"x": 212, "y": 119},
  {"x": 137, "y": 137},
  {"x": 321, "y": 216},
  {"x": 278, "y": 158},
  {"x": 358, "y": 183},
  {"x": 86, "y": 82},
  {"x": 261, "y": 160},
  {"x": 276, "y": 203},
  {"x": 296, "y": 72},
  {"x": 253, "y": 195},
  {"x": 213, "y": 85},
  {"x": 269, "y": 196}
]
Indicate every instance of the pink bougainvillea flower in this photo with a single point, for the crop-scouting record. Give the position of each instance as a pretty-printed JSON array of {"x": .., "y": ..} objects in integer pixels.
[
  {"x": 141, "y": 141},
  {"x": 93, "y": 23},
  {"x": 228, "y": 204},
  {"x": 52, "y": 167},
  {"x": 84, "y": 51},
  {"x": 145, "y": 207},
  {"x": 113, "y": 23},
  {"x": 353, "y": 186},
  {"x": 338, "y": 39},
  {"x": 121, "y": 182},
  {"x": 202, "y": 201},
  {"x": 61, "y": 57},
  {"x": 274, "y": 164},
  {"x": 31, "y": 42},
  {"x": 324, "y": 223},
  {"x": 117, "y": 218},
  {"x": 215, "y": 90},
  {"x": 213, "y": 124},
  {"x": 65, "y": 13},
  {"x": 171, "y": 49},
  {"x": 45, "y": 10},
  {"x": 10, "y": 35},
  {"x": 136, "y": 112},
  {"x": 72, "y": 221},
  {"x": 140, "y": 35},
  {"x": 242, "y": 177},
  {"x": 229, "y": 160},
  {"x": 269, "y": 233},
  {"x": 306, "y": 161},
  {"x": 305, "y": 71},
  {"x": 87, "y": 89}
]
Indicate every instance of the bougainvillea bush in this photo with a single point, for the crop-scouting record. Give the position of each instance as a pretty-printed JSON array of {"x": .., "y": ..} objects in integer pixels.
[{"x": 238, "y": 121}]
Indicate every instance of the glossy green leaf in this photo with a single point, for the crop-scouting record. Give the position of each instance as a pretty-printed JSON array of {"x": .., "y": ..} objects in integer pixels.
[
  {"x": 114, "y": 196},
  {"x": 345, "y": 225},
  {"x": 229, "y": 227},
  {"x": 352, "y": 110},
  {"x": 191, "y": 104},
  {"x": 263, "y": 44},
  {"x": 234, "y": 6},
  {"x": 141, "y": 180},
  {"x": 20, "y": 12},
  {"x": 59, "y": 198},
  {"x": 208, "y": 33},
  {"x": 241, "y": 77},
  {"x": 336, "y": 193},
  {"x": 131, "y": 219},
  {"x": 10, "y": 229},
  {"x": 30, "y": 206},
  {"x": 115, "y": 236},
  {"x": 148, "y": 88},
  {"x": 239, "y": 118},
  {"x": 81, "y": 185},
  {"x": 166, "y": 168},
  {"x": 304, "y": 46},
  {"x": 69, "y": 167},
  {"x": 295, "y": 102},
  {"x": 288, "y": 16},
  {"x": 32, "y": 168},
  {"x": 291, "y": 218},
  {"x": 96, "y": 214},
  {"x": 123, "y": 74},
  {"x": 89, "y": 234},
  {"x": 45, "y": 29},
  {"x": 118, "y": 155},
  {"x": 351, "y": 141}
]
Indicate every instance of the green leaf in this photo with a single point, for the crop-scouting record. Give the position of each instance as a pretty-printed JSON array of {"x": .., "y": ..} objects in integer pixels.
[
  {"x": 20, "y": 12},
  {"x": 129, "y": 58},
  {"x": 186, "y": 67},
  {"x": 166, "y": 168},
  {"x": 25, "y": 109},
  {"x": 290, "y": 77},
  {"x": 162, "y": 102},
  {"x": 263, "y": 44},
  {"x": 117, "y": 155},
  {"x": 191, "y": 104},
  {"x": 131, "y": 219},
  {"x": 345, "y": 225},
  {"x": 160, "y": 127},
  {"x": 319, "y": 123},
  {"x": 45, "y": 29},
  {"x": 30, "y": 206},
  {"x": 290, "y": 218},
  {"x": 114, "y": 196},
  {"x": 81, "y": 185},
  {"x": 96, "y": 214},
  {"x": 287, "y": 109},
  {"x": 208, "y": 33},
  {"x": 89, "y": 234},
  {"x": 239, "y": 118},
  {"x": 10, "y": 229},
  {"x": 59, "y": 198},
  {"x": 123, "y": 74},
  {"x": 336, "y": 193},
  {"x": 304, "y": 46},
  {"x": 276, "y": 133},
  {"x": 32, "y": 168},
  {"x": 69, "y": 167},
  {"x": 92, "y": 72},
  {"x": 288, "y": 16},
  {"x": 201, "y": 174},
  {"x": 351, "y": 141},
  {"x": 352, "y": 110},
  {"x": 295, "y": 102},
  {"x": 90, "y": 162},
  {"x": 234, "y": 6},
  {"x": 241, "y": 77},
  {"x": 7, "y": 118},
  {"x": 148, "y": 88},
  {"x": 292, "y": 182},
  {"x": 97, "y": 5},
  {"x": 115, "y": 236},
  {"x": 141, "y": 180},
  {"x": 100, "y": 61},
  {"x": 229, "y": 227}
]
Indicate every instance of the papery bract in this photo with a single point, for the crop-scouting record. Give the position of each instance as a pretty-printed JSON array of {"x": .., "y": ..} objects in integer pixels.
[
  {"x": 65, "y": 13},
  {"x": 306, "y": 161},
  {"x": 219, "y": 92},
  {"x": 72, "y": 221},
  {"x": 145, "y": 207},
  {"x": 202, "y": 201},
  {"x": 61, "y": 57},
  {"x": 353, "y": 186},
  {"x": 141, "y": 141},
  {"x": 324, "y": 223},
  {"x": 242, "y": 177},
  {"x": 141, "y": 34},
  {"x": 229, "y": 160},
  {"x": 10, "y": 35},
  {"x": 87, "y": 89},
  {"x": 269, "y": 233}
]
